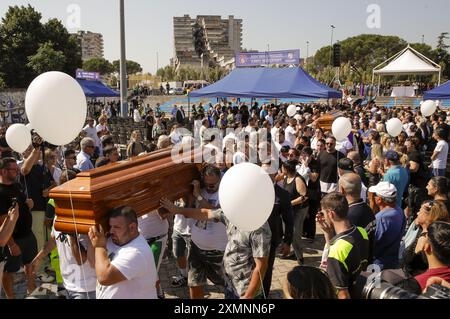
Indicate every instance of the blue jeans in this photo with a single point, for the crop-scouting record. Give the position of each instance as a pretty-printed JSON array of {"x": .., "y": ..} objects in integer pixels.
[
  {"x": 80, "y": 295},
  {"x": 438, "y": 171}
]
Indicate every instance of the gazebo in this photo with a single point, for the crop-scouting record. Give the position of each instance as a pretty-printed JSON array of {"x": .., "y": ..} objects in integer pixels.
[{"x": 408, "y": 61}]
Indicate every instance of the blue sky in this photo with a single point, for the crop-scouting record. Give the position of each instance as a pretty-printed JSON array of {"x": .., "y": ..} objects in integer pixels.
[{"x": 281, "y": 24}]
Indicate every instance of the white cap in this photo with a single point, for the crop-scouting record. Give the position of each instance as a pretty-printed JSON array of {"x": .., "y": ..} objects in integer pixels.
[{"x": 384, "y": 190}]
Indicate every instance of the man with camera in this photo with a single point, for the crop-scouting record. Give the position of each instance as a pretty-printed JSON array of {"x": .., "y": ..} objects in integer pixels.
[
  {"x": 21, "y": 246},
  {"x": 39, "y": 181}
]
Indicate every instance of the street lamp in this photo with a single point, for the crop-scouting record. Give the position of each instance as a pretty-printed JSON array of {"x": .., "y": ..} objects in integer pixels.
[
  {"x": 307, "y": 55},
  {"x": 331, "y": 44},
  {"x": 123, "y": 63}
]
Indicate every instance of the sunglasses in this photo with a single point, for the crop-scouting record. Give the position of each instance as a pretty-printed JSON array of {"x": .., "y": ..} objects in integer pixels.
[{"x": 329, "y": 143}]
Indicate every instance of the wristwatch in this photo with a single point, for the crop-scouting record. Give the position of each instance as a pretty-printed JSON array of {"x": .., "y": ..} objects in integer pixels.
[{"x": 199, "y": 198}]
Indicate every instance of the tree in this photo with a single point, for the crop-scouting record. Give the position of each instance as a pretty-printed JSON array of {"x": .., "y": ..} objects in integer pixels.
[
  {"x": 363, "y": 52},
  {"x": 167, "y": 73},
  {"x": 132, "y": 67},
  {"x": 442, "y": 55},
  {"x": 21, "y": 34},
  {"x": 65, "y": 42},
  {"x": 2, "y": 83},
  {"x": 47, "y": 59},
  {"x": 100, "y": 65}
]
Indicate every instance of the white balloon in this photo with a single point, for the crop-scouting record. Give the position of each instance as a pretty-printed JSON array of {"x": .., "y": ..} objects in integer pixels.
[
  {"x": 29, "y": 126},
  {"x": 56, "y": 107},
  {"x": 247, "y": 196},
  {"x": 291, "y": 110},
  {"x": 394, "y": 127},
  {"x": 341, "y": 128},
  {"x": 18, "y": 137},
  {"x": 428, "y": 108}
]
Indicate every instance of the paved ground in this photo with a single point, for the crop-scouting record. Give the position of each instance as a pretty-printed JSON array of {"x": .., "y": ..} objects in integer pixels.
[{"x": 312, "y": 256}]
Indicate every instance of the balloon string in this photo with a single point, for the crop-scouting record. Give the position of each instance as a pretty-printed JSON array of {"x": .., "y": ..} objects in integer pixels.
[{"x": 76, "y": 229}]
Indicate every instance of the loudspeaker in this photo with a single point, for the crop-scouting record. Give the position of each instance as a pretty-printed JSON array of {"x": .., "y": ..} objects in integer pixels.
[{"x": 336, "y": 55}]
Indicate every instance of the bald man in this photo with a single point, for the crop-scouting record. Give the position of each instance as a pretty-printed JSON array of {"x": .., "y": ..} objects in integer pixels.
[{"x": 359, "y": 212}]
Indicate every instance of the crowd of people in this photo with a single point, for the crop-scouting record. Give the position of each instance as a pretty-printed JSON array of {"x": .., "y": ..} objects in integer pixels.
[{"x": 379, "y": 200}]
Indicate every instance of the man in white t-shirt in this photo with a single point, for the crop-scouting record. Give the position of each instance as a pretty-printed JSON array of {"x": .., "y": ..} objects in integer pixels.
[
  {"x": 440, "y": 153},
  {"x": 76, "y": 263},
  {"x": 208, "y": 238},
  {"x": 124, "y": 264},
  {"x": 154, "y": 229},
  {"x": 344, "y": 146},
  {"x": 91, "y": 132},
  {"x": 290, "y": 133}
]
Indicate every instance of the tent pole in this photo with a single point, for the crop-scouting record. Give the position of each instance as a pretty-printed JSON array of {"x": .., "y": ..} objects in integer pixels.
[
  {"x": 189, "y": 109},
  {"x": 439, "y": 78},
  {"x": 378, "y": 88}
]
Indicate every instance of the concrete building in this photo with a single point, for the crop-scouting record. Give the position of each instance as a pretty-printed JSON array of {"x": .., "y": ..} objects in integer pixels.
[
  {"x": 91, "y": 45},
  {"x": 206, "y": 40}
]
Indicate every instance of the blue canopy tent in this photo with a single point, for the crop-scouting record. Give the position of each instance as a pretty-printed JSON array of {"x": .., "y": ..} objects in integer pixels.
[
  {"x": 268, "y": 83},
  {"x": 96, "y": 89},
  {"x": 441, "y": 92}
]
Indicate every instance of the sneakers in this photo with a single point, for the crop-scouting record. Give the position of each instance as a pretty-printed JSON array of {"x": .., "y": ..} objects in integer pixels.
[
  {"x": 43, "y": 277},
  {"x": 179, "y": 281},
  {"x": 160, "y": 293}
]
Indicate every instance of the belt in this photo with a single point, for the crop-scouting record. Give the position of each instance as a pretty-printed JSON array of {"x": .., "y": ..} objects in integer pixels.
[{"x": 151, "y": 240}]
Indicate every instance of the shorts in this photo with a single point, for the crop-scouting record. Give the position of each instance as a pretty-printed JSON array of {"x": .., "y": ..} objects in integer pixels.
[
  {"x": 2, "y": 265},
  {"x": 28, "y": 246},
  {"x": 80, "y": 295},
  {"x": 180, "y": 244},
  {"x": 158, "y": 246},
  {"x": 203, "y": 265}
]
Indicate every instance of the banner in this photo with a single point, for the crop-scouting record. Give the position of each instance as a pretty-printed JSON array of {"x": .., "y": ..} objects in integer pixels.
[
  {"x": 271, "y": 57},
  {"x": 88, "y": 75}
]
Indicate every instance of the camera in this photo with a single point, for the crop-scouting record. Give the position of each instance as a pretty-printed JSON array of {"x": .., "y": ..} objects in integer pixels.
[
  {"x": 38, "y": 142},
  {"x": 370, "y": 286},
  {"x": 14, "y": 202}
]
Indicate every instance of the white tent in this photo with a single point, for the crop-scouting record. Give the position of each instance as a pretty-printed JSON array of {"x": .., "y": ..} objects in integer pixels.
[{"x": 407, "y": 61}]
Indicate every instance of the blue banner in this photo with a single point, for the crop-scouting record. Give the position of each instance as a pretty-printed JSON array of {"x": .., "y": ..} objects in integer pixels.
[
  {"x": 271, "y": 57},
  {"x": 88, "y": 75}
]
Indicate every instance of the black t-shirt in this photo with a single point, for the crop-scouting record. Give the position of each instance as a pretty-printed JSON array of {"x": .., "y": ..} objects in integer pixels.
[
  {"x": 25, "y": 220},
  {"x": 362, "y": 173},
  {"x": 418, "y": 178},
  {"x": 360, "y": 214},
  {"x": 314, "y": 187},
  {"x": 328, "y": 166},
  {"x": 37, "y": 180}
]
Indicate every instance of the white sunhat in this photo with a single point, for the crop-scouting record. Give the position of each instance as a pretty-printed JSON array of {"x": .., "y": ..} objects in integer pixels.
[{"x": 384, "y": 190}]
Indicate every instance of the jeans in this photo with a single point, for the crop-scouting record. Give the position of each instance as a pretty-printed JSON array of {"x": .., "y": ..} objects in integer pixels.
[
  {"x": 297, "y": 244},
  {"x": 438, "y": 172},
  {"x": 80, "y": 295}
]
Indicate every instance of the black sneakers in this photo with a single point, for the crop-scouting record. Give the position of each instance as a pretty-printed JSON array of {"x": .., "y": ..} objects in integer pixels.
[{"x": 179, "y": 281}]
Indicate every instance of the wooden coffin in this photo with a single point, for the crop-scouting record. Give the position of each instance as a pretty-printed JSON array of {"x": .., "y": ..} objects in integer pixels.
[
  {"x": 139, "y": 182},
  {"x": 326, "y": 121}
]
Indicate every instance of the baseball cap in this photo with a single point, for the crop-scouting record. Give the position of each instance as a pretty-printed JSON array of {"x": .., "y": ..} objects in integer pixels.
[
  {"x": 392, "y": 156},
  {"x": 384, "y": 190},
  {"x": 345, "y": 164}
]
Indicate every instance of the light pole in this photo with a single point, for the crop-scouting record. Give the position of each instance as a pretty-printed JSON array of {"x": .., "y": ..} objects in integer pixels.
[
  {"x": 157, "y": 61},
  {"x": 423, "y": 38},
  {"x": 123, "y": 63},
  {"x": 307, "y": 55}
]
